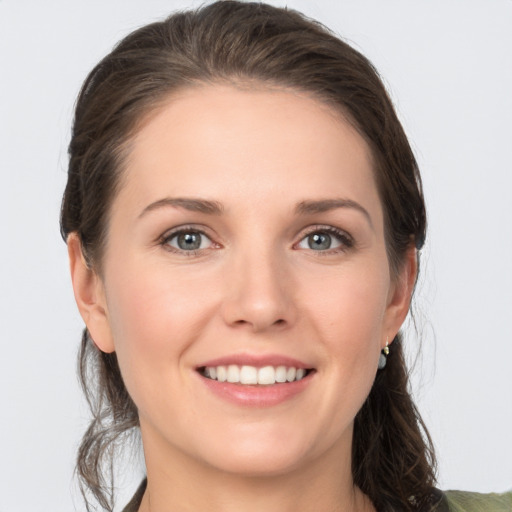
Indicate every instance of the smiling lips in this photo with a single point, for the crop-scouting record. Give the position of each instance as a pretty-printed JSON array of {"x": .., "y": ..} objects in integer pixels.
[
  {"x": 256, "y": 381},
  {"x": 252, "y": 375}
]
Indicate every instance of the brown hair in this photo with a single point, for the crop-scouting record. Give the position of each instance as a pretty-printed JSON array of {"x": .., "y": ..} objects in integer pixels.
[{"x": 239, "y": 42}]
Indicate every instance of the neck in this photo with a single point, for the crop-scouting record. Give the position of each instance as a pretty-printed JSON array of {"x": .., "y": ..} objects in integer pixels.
[{"x": 185, "y": 484}]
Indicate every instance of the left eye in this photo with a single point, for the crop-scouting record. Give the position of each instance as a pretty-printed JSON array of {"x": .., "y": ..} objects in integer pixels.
[
  {"x": 188, "y": 241},
  {"x": 323, "y": 241}
]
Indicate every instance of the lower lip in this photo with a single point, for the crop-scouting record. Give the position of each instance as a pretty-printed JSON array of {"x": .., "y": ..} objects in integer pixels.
[{"x": 257, "y": 396}]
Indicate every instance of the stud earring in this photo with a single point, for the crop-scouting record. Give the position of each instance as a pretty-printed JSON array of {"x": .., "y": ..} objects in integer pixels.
[{"x": 383, "y": 358}]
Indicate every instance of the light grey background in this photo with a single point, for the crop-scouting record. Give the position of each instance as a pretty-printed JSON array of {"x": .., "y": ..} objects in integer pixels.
[{"x": 448, "y": 67}]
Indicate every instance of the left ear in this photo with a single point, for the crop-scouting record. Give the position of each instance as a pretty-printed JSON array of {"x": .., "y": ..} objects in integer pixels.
[{"x": 400, "y": 294}]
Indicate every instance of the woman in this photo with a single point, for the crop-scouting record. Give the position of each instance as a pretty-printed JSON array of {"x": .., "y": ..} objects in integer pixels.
[{"x": 243, "y": 215}]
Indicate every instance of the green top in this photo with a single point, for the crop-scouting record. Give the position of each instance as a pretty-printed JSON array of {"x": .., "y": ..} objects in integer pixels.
[
  {"x": 460, "y": 501},
  {"x": 452, "y": 501}
]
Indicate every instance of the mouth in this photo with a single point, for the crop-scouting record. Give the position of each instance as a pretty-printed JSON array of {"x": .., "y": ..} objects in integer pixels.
[
  {"x": 255, "y": 376},
  {"x": 256, "y": 380}
]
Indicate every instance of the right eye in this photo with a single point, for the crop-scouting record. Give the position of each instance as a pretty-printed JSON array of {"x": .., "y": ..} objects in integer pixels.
[{"x": 188, "y": 240}]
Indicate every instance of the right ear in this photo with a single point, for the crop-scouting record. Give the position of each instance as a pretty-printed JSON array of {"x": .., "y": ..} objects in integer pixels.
[{"x": 90, "y": 296}]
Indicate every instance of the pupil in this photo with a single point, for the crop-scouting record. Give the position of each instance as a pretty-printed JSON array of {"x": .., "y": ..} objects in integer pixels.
[
  {"x": 189, "y": 241},
  {"x": 319, "y": 241}
]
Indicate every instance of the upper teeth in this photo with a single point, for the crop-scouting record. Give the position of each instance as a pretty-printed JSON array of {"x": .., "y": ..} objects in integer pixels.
[{"x": 266, "y": 375}]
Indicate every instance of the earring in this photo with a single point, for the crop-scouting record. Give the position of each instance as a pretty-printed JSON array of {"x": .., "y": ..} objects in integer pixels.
[{"x": 383, "y": 358}]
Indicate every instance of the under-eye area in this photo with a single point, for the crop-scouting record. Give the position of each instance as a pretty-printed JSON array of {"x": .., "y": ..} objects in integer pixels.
[{"x": 252, "y": 375}]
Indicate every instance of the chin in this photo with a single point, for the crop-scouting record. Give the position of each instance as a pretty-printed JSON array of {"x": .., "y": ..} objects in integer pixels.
[
  {"x": 267, "y": 454},
  {"x": 260, "y": 465}
]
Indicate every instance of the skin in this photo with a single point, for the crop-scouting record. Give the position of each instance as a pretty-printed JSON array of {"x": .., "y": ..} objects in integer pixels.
[{"x": 254, "y": 287}]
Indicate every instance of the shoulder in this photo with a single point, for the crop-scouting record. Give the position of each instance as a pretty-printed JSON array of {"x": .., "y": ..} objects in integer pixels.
[{"x": 461, "y": 501}]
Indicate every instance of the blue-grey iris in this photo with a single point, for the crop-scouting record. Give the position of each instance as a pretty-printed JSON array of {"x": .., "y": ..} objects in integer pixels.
[
  {"x": 189, "y": 241},
  {"x": 319, "y": 241}
]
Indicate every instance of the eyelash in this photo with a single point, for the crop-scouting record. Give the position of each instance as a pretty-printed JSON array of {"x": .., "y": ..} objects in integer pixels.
[
  {"x": 345, "y": 240},
  {"x": 167, "y": 237}
]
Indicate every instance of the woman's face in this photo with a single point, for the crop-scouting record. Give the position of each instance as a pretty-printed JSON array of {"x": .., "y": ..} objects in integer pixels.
[{"x": 247, "y": 238}]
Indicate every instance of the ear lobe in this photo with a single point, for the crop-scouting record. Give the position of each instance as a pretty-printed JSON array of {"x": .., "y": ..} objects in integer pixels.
[
  {"x": 401, "y": 293},
  {"x": 89, "y": 296}
]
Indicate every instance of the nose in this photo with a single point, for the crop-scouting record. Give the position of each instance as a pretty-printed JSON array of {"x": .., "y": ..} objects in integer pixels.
[{"x": 259, "y": 293}]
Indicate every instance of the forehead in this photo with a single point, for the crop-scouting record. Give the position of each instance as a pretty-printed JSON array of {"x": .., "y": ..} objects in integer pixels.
[{"x": 222, "y": 142}]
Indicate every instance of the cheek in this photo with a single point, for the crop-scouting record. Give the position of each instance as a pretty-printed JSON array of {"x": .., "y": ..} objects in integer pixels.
[
  {"x": 150, "y": 297},
  {"x": 350, "y": 309},
  {"x": 350, "y": 315},
  {"x": 154, "y": 316}
]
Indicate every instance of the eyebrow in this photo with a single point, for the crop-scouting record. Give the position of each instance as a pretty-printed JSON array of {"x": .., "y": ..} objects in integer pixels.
[
  {"x": 208, "y": 207},
  {"x": 193, "y": 205},
  {"x": 325, "y": 205}
]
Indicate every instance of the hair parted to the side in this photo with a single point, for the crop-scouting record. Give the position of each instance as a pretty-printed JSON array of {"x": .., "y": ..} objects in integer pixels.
[{"x": 245, "y": 44}]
